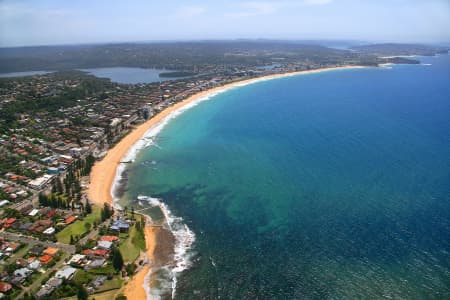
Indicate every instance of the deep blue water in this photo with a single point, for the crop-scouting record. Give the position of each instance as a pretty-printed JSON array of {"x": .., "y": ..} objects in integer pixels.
[
  {"x": 130, "y": 75},
  {"x": 325, "y": 186}
]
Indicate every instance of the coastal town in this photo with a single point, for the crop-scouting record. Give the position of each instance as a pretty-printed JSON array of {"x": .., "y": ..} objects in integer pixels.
[{"x": 57, "y": 241}]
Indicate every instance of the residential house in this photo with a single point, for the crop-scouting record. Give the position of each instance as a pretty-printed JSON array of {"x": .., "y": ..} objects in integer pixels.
[
  {"x": 77, "y": 260},
  {"x": 67, "y": 272},
  {"x": 50, "y": 230},
  {"x": 104, "y": 245},
  {"x": 109, "y": 238},
  {"x": 36, "y": 250},
  {"x": 46, "y": 259},
  {"x": 51, "y": 251},
  {"x": 95, "y": 263},
  {"x": 120, "y": 226},
  {"x": 22, "y": 273},
  {"x": 70, "y": 219},
  {"x": 5, "y": 287}
]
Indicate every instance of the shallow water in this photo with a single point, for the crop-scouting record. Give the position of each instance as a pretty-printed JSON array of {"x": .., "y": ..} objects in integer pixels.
[{"x": 330, "y": 185}]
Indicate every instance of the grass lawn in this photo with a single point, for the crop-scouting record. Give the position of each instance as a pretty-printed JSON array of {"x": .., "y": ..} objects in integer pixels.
[
  {"x": 82, "y": 277},
  {"x": 104, "y": 296},
  {"x": 78, "y": 228},
  {"x": 103, "y": 271},
  {"x": 19, "y": 254},
  {"x": 131, "y": 247},
  {"x": 115, "y": 283}
]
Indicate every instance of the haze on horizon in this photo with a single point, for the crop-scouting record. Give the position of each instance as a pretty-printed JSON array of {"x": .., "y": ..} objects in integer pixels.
[{"x": 49, "y": 22}]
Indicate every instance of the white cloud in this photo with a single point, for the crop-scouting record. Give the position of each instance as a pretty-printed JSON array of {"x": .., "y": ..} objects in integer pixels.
[
  {"x": 258, "y": 8},
  {"x": 250, "y": 9},
  {"x": 188, "y": 12},
  {"x": 317, "y": 2}
]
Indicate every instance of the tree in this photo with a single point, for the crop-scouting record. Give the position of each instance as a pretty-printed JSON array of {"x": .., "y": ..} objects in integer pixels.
[
  {"x": 87, "y": 226},
  {"x": 106, "y": 212},
  {"x": 71, "y": 239},
  {"x": 42, "y": 199},
  {"x": 82, "y": 294},
  {"x": 130, "y": 268},
  {"x": 88, "y": 207},
  {"x": 59, "y": 186},
  {"x": 117, "y": 260},
  {"x": 132, "y": 213}
]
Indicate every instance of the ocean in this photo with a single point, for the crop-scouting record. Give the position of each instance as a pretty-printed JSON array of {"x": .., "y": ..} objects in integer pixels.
[{"x": 332, "y": 185}]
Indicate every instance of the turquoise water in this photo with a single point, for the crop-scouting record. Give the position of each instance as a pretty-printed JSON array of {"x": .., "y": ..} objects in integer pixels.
[{"x": 325, "y": 186}]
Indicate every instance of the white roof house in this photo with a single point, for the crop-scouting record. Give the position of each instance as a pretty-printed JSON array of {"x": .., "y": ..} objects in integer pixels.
[
  {"x": 49, "y": 230},
  {"x": 104, "y": 244},
  {"x": 66, "y": 272},
  {"x": 77, "y": 259},
  {"x": 22, "y": 272},
  {"x": 33, "y": 212},
  {"x": 34, "y": 265}
]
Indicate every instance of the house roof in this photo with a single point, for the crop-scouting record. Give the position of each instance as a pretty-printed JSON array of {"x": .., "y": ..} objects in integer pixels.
[
  {"x": 66, "y": 272},
  {"x": 101, "y": 252},
  {"x": 22, "y": 272},
  {"x": 45, "y": 259},
  {"x": 77, "y": 258},
  {"x": 49, "y": 230},
  {"x": 37, "y": 249},
  {"x": 10, "y": 220},
  {"x": 88, "y": 252},
  {"x": 5, "y": 287},
  {"x": 51, "y": 251},
  {"x": 109, "y": 238},
  {"x": 104, "y": 244},
  {"x": 70, "y": 219}
]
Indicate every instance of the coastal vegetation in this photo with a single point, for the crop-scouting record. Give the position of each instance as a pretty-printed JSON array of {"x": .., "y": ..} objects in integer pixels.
[
  {"x": 79, "y": 228},
  {"x": 195, "y": 57},
  {"x": 176, "y": 74},
  {"x": 133, "y": 244}
]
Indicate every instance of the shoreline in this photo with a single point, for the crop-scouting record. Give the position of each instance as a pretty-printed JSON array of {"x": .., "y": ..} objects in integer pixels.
[{"x": 104, "y": 174}]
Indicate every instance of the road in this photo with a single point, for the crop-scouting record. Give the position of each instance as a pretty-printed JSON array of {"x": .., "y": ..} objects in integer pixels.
[
  {"x": 93, "y": 233},
  {"x": 68, "y": 249},
  {"x": 34, "y": 241},
  {"x": 37, "y": 283}
]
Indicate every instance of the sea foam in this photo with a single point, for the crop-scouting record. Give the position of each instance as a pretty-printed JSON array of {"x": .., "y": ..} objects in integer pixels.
[{"x": 184, "y": 239}]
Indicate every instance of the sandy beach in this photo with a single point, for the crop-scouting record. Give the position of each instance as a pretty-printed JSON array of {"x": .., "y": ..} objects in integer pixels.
[
  {"x": 104, "y": 172},
  {"x": 134, "y": 289}
]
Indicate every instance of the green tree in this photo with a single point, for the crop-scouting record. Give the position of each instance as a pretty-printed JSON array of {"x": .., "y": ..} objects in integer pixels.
[
  {"x": 88, "y": 207},
  {"x": 59, "y": 186},
  {"x": 117, "y": 260},
  {"x": 82, "y": 294}
]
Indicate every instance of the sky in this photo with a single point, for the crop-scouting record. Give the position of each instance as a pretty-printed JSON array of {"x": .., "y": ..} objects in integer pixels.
[{"x": 49, "y": 22}]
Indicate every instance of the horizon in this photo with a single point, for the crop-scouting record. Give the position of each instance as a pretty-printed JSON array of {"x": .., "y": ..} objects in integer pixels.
[
  {"x": 54, "y": 23},
  {"x": 306, "y": 42}
]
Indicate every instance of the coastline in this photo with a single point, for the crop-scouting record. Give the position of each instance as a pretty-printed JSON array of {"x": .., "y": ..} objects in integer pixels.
[{"x": 105, "y": 172}]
